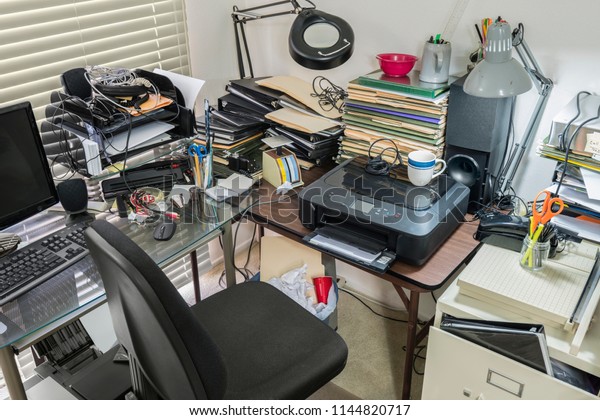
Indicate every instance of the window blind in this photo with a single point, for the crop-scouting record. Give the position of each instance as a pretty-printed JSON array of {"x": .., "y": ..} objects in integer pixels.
[{"x": 41, "y": 39}]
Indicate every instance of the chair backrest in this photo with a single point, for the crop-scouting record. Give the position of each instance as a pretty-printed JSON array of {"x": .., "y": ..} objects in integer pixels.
[
  {"x": 153, "y": 322},
  {"x": 75, "y": 84}
]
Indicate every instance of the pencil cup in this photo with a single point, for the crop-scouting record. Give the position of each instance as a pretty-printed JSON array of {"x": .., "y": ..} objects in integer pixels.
[
  {"x": 435, "y": 65},
  {"x": 533, "y": 255}
]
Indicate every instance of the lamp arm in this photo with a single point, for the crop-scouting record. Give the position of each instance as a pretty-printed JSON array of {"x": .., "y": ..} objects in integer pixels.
[
  {"x": 532, "y": 67},
  {"x": 519, "y": 149},
  {"x": 246, "y": 14},
  {"x": 544, "y": 86},
  {"x": 241, "y": 16}
]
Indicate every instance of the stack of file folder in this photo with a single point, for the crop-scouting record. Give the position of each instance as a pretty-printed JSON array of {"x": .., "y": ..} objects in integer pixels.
[
  {"x": 237, "y": 126},
  {"x": 287, "y": 105},
  {"x": 313, "y": 126},
  {"x": 577, "y": 128},
  {"x": 310, "y": 149},
  {"x": 408, "y": 113}
]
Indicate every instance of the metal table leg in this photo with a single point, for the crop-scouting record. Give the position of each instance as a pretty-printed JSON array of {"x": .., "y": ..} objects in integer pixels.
[
  {"x": 195, "y": 275},
  {"x": 412, "y": 338},
  {"x": 11, "y": 374},
  {"x": 228, "y": 254},
  {"x": 329, "y": 264}
]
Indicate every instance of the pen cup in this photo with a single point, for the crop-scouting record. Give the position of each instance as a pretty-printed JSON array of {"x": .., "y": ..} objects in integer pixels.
[{"x": 533, "y": 255}]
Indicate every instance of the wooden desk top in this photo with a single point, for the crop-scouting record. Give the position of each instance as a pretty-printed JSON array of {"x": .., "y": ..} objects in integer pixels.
[{"x": 283, "y": 218}]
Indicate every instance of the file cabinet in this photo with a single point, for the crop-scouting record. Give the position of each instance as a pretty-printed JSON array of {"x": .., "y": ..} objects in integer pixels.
[{"x": 458, "y": 369}]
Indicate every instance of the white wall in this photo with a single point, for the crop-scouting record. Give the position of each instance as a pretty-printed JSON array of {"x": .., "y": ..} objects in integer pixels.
[{"x": 562, "y": 35}]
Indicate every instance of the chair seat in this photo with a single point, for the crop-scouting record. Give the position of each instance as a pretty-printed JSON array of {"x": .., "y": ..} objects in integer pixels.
[{"x": 264, "y": 357}]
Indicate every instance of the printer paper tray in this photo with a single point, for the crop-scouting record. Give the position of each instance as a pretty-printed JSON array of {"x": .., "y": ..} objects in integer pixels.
[{"x": 370, "y": 254}]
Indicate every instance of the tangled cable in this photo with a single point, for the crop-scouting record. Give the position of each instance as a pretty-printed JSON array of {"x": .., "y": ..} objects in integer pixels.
[
  {"x": 330, "y": 96},
  {"x": 377, "y": 165}
]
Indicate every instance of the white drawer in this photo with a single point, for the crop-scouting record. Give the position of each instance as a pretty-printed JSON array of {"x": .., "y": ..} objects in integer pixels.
[{"x": 458, "y": 369}]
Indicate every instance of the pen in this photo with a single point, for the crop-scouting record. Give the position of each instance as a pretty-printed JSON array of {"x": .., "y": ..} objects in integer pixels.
[
  {"x": 479, "y": 33},
  {"x": 207, "y": 126},
  {"x": 437, "y": 38}
]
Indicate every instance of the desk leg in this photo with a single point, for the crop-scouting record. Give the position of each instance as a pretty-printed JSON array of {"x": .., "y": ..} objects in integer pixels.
[
  {"x": 228, "y": 254},
  {"x": 195, "y": 275},
  {"x": 411, "y": 337},
  {"x": 11, "y": 374},
  {"x": 329, "y": 264}
]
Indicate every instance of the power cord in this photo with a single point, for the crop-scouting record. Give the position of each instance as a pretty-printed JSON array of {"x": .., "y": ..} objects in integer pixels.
[
  {"x": 377, "y": 165},
  {"x": 330, "y": 95},
  {"x": 404, "y": 321},
  {"x": 418, "y": 349},
  {"x": 246, "y": 273},
  {"x": 572, "y": 138}
]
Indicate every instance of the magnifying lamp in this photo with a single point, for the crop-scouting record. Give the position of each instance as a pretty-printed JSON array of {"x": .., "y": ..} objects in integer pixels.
[{"x": 317, "y": 40}]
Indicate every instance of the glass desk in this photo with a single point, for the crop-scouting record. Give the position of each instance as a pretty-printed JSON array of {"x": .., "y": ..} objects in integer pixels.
[{"x": 78, "y": 289}]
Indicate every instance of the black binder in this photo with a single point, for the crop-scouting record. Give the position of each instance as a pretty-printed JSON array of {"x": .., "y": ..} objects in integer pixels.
[{"x": 262, "y": 97}]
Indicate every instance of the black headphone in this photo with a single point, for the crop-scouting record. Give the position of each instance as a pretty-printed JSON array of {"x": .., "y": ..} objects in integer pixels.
[
  {"x": 118, "y": 94},
  {"x": 379, "y": 166}
]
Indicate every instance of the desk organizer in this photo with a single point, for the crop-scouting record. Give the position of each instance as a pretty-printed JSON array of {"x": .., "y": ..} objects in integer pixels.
[{"x": 281, "y": 166}]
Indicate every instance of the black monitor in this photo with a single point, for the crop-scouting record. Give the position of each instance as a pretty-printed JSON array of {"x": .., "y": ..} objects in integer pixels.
[{"x": 26, "y": 185}]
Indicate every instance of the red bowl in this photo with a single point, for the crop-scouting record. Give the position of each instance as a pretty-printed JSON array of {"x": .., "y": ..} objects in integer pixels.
[{"x": 396, "y": 65}]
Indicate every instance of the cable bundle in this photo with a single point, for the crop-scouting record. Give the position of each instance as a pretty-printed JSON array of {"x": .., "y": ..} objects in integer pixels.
[{"x": 330, "y": 95}]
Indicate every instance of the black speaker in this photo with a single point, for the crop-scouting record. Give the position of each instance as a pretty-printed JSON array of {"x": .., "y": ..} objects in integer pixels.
[
  {"x": 73, "y": 196},
  {"x": 476, "y": 140}
]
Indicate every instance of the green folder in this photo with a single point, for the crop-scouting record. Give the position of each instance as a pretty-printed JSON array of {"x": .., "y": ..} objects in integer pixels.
[{"x": 407, "y": 84}]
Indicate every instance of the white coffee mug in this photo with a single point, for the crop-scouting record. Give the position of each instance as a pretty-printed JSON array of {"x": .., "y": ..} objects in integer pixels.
[{"x": 422, "y": 167}]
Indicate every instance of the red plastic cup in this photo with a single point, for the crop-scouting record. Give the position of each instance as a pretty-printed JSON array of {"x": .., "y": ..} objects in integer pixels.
[{"x": 322, "y": 286}]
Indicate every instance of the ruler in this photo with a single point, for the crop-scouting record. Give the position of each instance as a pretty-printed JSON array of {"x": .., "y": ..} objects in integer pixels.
[{"x": 455, "y": 17}]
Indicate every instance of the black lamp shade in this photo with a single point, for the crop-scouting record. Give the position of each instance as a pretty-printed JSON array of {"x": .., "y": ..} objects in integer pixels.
[{"x": 318, "y": 58}]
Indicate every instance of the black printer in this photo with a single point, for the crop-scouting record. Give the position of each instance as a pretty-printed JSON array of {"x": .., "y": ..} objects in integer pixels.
[{"x": 373, "y": 220}]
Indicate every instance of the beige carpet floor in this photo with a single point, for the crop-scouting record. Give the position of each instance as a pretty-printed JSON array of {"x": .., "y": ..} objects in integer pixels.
[{"x": 376, "y": 357}]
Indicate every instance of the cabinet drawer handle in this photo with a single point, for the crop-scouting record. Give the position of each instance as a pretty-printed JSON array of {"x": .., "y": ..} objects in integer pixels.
[{"x": 505, "y": 383}]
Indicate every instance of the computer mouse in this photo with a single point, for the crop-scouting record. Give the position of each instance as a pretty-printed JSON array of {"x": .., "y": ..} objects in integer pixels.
[{"x": 164, "y": 231}]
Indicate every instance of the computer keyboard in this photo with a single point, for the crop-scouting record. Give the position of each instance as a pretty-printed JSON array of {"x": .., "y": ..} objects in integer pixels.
[{"x": 37, "y": 262}]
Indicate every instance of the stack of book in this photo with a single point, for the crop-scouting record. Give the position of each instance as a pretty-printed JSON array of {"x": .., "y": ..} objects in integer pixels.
[{"x": 409, "y": 114}]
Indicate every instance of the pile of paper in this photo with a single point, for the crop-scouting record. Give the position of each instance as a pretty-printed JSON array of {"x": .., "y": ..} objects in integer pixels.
[
  {"x": 577, "y": 175},
  {"x": 312, "y": 127}
]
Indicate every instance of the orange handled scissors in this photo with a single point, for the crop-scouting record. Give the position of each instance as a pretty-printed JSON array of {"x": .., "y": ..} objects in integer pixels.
[
  {"x": 546, "y": 212},
  {"x": 539, "y": 219}
]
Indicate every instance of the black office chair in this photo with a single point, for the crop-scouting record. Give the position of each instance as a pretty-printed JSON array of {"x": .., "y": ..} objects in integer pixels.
[
  {"x": 249, "y": 341},
  {"x": 74, "y": 83}
]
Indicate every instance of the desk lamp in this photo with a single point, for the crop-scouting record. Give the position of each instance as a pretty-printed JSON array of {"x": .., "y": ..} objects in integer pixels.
[
  {"x": 317, "y": 40},
  {"x": 499, "y": 75}
]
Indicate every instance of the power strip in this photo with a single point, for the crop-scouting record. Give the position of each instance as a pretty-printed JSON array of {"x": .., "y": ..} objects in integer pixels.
[{"x": 92, "y": 157}]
